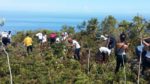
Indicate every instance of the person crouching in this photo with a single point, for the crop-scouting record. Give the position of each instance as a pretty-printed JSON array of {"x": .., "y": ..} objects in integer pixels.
[{"x": 105, "y": 52}]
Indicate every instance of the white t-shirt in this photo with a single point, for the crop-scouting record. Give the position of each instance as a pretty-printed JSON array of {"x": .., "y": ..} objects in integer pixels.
[
  {"x": 66, "y": 34},
  {"x": 44, "y": 39},
  {"x": 57, "y": 40},
  {"x": 77, "y": 45},
  {"x": 105, "y": 50},
  {"x": 63, "y": 38},
  {"x": 147, "y": 54},
  {"x": 4, "y": 34},
  {"x": 9, "y": 36},
  {"x": 39, "y": 35}
]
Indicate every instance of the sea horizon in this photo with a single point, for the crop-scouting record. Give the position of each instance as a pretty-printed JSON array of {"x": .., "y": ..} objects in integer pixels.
[{"x": 34, "y": 21}]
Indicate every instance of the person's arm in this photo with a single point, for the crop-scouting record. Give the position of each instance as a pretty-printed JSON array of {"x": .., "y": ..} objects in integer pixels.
[
  {"x": 146, "y": 38},
  {"x": 107, "y": 43},
  {"x": 70, "y": 45},
  {"x": 145, "y": 43}
]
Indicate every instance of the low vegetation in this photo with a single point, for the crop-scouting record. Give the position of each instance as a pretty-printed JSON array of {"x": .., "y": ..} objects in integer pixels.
[{"x": 56, "y": 66}]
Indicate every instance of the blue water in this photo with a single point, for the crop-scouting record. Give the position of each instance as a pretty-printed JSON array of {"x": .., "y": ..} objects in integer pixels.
[
  {"x": 34, "y": 21},
  {"x": 22, "y": 24}
]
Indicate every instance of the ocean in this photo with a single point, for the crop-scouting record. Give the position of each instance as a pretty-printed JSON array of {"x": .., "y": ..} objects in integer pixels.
[
  {"x": 33, "y": 21},
  {"x": 23, "y": 24}
]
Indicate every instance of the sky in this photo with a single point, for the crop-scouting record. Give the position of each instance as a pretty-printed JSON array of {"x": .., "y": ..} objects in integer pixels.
[{"x": 129, "y": 7}]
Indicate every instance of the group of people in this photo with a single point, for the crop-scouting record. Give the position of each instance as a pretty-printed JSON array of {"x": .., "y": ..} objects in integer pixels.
[
  {"x": 120, "y": 47},
  {"x": 52, "y": 39}
]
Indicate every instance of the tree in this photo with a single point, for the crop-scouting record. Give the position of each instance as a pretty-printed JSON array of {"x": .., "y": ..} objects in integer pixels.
[
  {"x": 108, "y": 24},
  {"x": 82, "y": 26},
  {"x": 148, "y": 26},
  {"x": 138, "y": 23},
  {"x": 137, "y": 29},
  {"x": 92, "y": 27},
  {"x": 124, "y": 25},
  {"x": 69, "y": 29}
]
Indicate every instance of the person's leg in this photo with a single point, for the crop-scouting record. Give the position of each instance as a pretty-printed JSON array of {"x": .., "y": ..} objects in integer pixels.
[
  {"x": 31, "y": 48},
  {"x": 103, "y": 55},
  {"x": 118, "y": 62},
  {"x": 144, "y": 64},
  {"x": 28, "y": 49},
  {"x": 123, "y": 60},
  {"x": 52, "y": 41},
  {"x": 78, "y": 54},
  {"x": 143, "y": 69},
  {"x": 75, "y": 54}
]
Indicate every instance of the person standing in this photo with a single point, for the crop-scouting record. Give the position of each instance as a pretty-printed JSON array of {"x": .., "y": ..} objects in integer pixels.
[
  {"x": 40, "y": 37},
  {"x": 123, "y": 37},
  {"x": 52, "y": 37},
  {"x": 44, "y": 41},
  {"x": 77, "y": 47},
  {"x": 120, "y": 52},
  {"x": 28, "y": 43},
  {"x": 146, "y": 57}
]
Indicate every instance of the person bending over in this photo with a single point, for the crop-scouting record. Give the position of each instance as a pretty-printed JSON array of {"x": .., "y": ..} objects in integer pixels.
[{"x": 77, "y": 46}]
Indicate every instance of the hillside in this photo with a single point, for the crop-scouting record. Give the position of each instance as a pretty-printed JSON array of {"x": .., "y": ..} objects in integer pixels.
[{"x": 55, "y": 66}]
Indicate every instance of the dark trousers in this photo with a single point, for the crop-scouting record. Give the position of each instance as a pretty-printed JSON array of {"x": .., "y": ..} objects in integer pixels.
[
  {"x": 104, "y": 56},
  {"x": 145, "y": 64},
  {"x": 120, "y": 59},
  {"x": 52, "y": 40},
  {"x": 77, "y": 54},
  {"x": 29, "y": 48},
  {"x": 111, "y": 45}
]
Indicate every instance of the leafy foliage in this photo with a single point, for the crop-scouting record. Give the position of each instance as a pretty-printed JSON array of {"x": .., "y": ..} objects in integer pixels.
[{"x": 56, "y": 66}]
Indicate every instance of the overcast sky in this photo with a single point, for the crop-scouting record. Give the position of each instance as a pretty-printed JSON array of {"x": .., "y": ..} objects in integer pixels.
[{"x": 78, "y": 6}]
